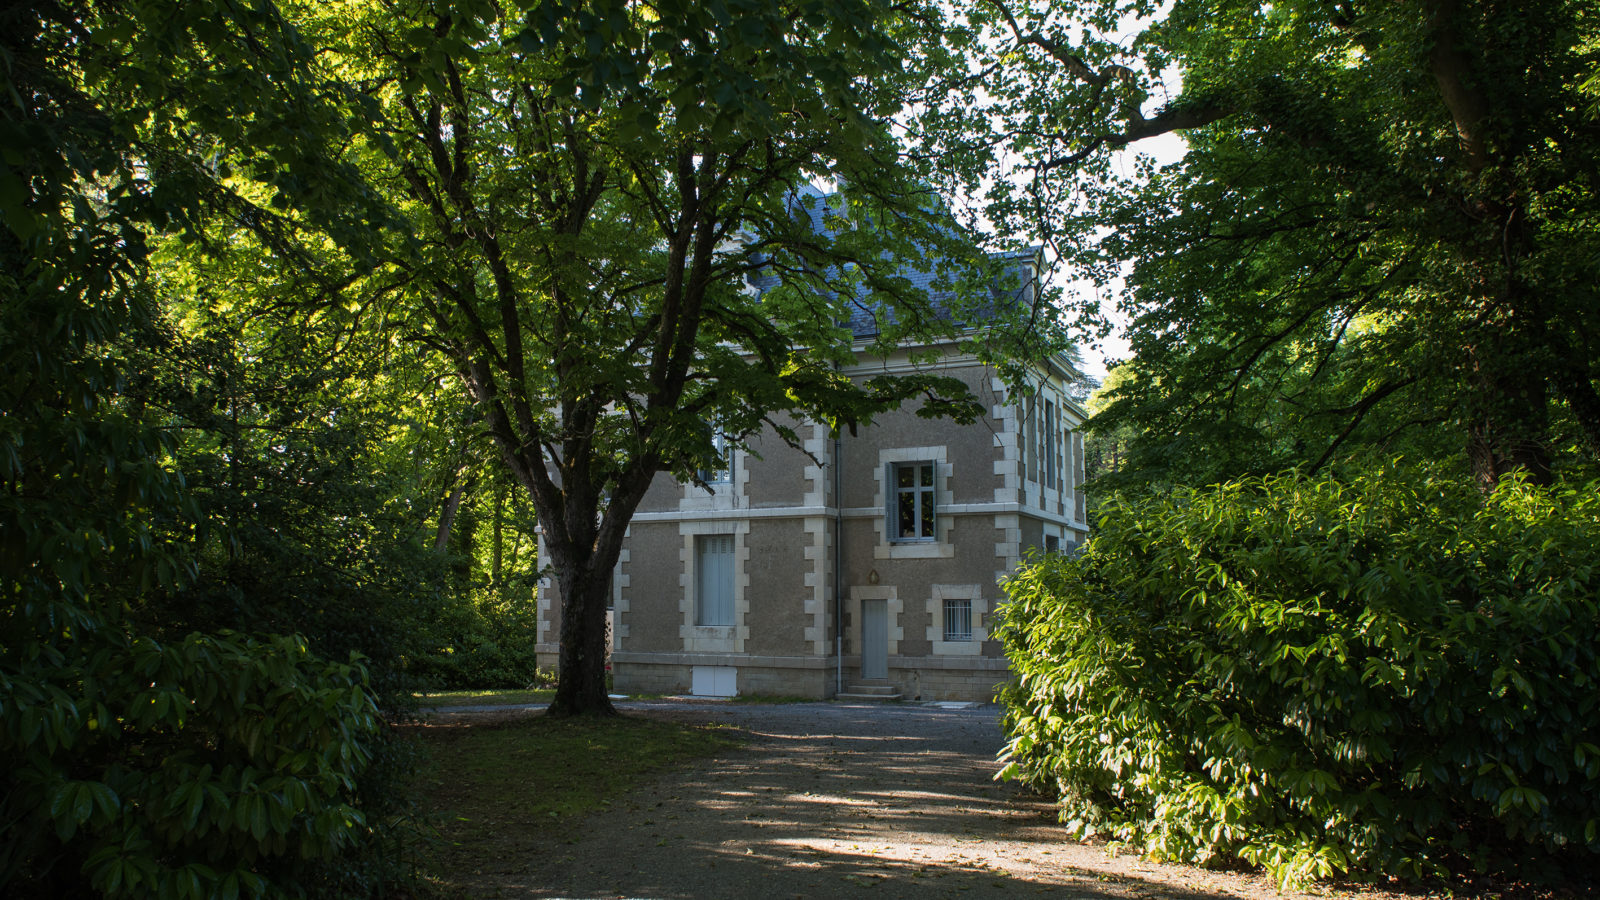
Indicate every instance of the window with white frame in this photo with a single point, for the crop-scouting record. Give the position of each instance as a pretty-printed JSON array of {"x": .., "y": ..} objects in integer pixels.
[
  {"x": 1036, "y": 437},
  {"x": 723, "y": 474},
  {"x": 957, "y": 619},
  {"x": 911, "y": 512},
  {"x": 1051, "y": 465},
  {"x": 713, "y": 576}
]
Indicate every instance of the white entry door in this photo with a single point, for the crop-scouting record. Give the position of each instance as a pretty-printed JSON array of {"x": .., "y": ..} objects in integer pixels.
[{"x": 874, "y": 639}]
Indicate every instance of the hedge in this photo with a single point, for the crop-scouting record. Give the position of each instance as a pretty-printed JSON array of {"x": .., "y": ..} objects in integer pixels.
[{"x": 1387, "y": 675}]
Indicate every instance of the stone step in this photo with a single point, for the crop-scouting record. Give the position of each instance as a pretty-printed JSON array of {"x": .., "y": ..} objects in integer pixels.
[{"x": 870, "y": 691}]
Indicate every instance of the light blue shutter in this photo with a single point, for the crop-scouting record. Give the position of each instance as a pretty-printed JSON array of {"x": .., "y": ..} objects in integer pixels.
[
  {"x": 714, "y": 574},
  {"x": 891, "y": 503}
]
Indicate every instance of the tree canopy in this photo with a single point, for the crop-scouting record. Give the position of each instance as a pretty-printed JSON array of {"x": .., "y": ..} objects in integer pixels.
[
  {"x": 587, "y": 193},
  {"x": 142, "y": 753},
  {"x": 307, "y": 305},
  {"x": 1380, "y": 238}
]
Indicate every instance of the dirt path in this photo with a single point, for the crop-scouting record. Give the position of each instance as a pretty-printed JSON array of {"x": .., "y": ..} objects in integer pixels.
[{"x": 837, "y": 800}]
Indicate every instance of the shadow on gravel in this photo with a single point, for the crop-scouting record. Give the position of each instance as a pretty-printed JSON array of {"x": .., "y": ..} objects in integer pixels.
[{"x": 834, "y": 801}]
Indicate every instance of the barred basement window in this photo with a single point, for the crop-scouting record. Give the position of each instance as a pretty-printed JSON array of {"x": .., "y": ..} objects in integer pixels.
[{"x": 957, "y": 619}]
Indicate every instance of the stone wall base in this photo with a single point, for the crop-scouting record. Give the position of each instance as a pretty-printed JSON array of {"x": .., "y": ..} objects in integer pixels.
[
  {"x": 677, "y": 679},
  {"x": 972, "y": 679}
]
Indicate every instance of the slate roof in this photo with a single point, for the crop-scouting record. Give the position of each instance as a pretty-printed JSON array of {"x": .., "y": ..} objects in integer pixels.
[{"x": 865, "y": 318}]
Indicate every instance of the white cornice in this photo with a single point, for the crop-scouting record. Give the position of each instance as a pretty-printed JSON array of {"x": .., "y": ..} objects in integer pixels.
[{"x": 853, "y": 512}]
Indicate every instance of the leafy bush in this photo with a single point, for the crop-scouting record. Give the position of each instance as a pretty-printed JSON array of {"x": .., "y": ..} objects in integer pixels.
[
  {"x": 218, "y": 765},
  {"x": 485, "y": 641},
  {"x": 1392, "y": 674}
]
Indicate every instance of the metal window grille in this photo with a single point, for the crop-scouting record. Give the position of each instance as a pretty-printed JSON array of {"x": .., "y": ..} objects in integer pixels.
[{"x": 957, "y": 619}]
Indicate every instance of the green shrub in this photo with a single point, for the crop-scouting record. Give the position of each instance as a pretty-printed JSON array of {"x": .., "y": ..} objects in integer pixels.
[
  {"x": 218, "y": 765},
  {"x": 1392, "y": 674},
  {"x": 484, "y": 641}
]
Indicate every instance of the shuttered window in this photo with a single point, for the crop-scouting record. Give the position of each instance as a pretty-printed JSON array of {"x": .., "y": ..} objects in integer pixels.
[
  {"x": 714, "y": 579},
  {"x": 1051, "y": 452}
]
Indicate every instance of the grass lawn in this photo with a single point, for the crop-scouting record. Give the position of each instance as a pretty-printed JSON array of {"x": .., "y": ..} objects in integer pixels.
[
  {"x": 442, "y": 699},
  {"x": 501, "y": 789}
]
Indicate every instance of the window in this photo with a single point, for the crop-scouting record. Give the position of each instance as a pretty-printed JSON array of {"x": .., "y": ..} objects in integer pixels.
[
  {"x": 713, "y": 577},
  {"x": 1050, "y": 464},
  {"x": 911, "y": 501},
  {"x": 723, "y": 474},
  {"x": 957, "y": 619},
  {"x": 1035, "y": 441},
  {"x": 1052, "y": 543}
]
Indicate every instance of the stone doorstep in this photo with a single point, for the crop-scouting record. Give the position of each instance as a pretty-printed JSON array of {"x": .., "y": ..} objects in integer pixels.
[{"x": 876, "y": 691}]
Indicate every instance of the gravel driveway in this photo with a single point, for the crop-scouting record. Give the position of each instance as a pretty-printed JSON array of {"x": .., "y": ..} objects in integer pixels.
[{"x": 840, "y": 800}]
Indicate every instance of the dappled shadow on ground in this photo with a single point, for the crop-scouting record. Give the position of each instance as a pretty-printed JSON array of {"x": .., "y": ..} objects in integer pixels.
[{"x": 834, "y": 801}]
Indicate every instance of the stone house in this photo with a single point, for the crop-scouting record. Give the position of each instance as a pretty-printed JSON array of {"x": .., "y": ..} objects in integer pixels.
[{"x": 866, "y": 565}]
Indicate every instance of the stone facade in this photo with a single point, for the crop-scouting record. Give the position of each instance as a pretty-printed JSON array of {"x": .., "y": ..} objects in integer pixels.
[{"x": 807, "y": 569}]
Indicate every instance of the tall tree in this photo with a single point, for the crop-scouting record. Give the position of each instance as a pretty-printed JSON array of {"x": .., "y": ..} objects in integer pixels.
[
  {"x": 1381, "y": 235},
  {"x": 131, "y": 759},
  {"x": 593, "y": 186}
]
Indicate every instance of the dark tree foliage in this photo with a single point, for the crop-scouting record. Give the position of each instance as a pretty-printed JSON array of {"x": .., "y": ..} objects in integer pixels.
[
  {"x": 138, "y": 756},
  {"x": 300, "y": 456},
  {"x": 1380, "y": 244},
  {"x": 1381, "y": 237}
]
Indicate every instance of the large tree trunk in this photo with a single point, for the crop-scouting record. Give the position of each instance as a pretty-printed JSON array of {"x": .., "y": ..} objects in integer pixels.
[
  {"x": 1506, "y": 415},
  {"x": 581, "y": 670},
  {"x": 584, "y": 548},
  {"x": 1497, "y": 449},
  {"x": 1508, "y": 412}
]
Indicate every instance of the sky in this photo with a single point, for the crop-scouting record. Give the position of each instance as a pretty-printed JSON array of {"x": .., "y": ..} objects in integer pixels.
[{"x": 1164, "y": 149}]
